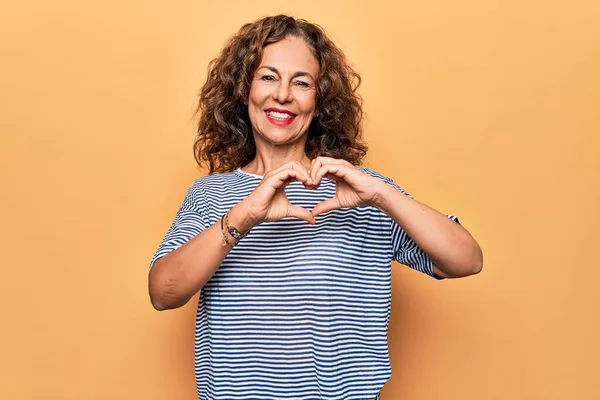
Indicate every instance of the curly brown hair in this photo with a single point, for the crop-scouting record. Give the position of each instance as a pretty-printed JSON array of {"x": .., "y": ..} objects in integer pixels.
[{"x": 224, "y": 139}]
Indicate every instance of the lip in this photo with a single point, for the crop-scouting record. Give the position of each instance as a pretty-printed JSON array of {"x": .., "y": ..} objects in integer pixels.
[
  {"x": 281, "y": 110},
  {"x": 280, "y": 122}
]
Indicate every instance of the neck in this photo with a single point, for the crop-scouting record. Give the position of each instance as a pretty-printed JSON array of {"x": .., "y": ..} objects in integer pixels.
[{"x": 269, "y": 158}]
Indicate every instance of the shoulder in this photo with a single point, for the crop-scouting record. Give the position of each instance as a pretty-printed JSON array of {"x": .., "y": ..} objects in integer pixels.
[
  {"x": 384, "y": 178},
  {"x": 207, "y": 183},
  {"x": 214, "y": 179},
  {"x": 374, "y": 173},
  {"x": 223, "y": 184}
]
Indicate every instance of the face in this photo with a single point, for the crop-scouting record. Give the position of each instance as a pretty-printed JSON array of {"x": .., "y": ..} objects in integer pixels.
[{"x": 282, "y": 99}]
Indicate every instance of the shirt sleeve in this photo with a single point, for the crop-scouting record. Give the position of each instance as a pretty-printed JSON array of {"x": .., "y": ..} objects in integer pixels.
[
  {"x": 191, "y": 219},
  {"x": 406, "y": 251}
]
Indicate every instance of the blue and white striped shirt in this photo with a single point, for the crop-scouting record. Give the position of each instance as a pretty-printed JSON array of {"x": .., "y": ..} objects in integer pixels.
[{"x": 295, "y": 311}]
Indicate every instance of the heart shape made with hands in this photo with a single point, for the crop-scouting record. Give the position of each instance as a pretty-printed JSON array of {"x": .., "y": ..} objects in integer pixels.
[
  {"x": 353, "y": 187},
  {"x": 268, "y": 201}
]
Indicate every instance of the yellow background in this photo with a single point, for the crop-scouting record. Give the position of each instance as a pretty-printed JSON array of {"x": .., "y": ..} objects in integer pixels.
[{"x": 485, "y": 109}]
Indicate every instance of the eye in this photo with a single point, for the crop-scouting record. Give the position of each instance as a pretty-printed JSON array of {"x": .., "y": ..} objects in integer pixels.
[
  {"x": 303, "y": 84},
  {"x": 268, "y": 78}
]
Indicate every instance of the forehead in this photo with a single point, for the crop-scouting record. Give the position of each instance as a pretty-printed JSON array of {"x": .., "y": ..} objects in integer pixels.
[{"x": 291, "y": 54}]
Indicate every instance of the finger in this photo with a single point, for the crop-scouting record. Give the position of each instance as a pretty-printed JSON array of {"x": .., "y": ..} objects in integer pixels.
[
  {"x": 276, "y": 170},
  {"x": 316, "y": 164},
  {"x": 287, "y": 182},
  {"x": 331, "y": 160},
  {"x": 312, "y": 168},
  {"x": 331, "y": 177},
  {"x": 320, "y": 161},
  {"x": 292, "y": 164},
  {"x": 325, "y": 206},
  {"x": 337, "y": 170},
  {"x": 312, "y": 164},
  {"x": 300, "y": 168},
  {"x": 279, "y": 179},
  {"x": 302, "y": 213}
]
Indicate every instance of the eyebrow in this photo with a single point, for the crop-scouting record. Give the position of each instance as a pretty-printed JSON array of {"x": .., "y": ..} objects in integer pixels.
[{"x": 296, "y": 75}]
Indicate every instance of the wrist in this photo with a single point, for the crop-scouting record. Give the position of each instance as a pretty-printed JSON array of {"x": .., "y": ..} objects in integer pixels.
[
  {"x": 240, "y": 218},
  {"x": 390, "y": 200},
  {"x": 381, "y": 195}
]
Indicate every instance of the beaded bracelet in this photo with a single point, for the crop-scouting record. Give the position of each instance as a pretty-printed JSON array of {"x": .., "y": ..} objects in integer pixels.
[
  {"x": 237, "y": 235},
  {"x": 225, "y": 238}
]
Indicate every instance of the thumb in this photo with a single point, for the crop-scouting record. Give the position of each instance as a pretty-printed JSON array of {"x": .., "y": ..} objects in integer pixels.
[
  {"x": 324, "y": 206},
  {"x": 302, "y": 213}
]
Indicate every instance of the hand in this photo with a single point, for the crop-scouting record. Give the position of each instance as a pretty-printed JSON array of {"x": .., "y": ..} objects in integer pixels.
[
  {"x": 268, "y": 202},
  {"x": 353, "y": 187}
]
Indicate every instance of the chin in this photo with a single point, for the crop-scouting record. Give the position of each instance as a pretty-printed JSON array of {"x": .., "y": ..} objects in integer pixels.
[
  {"x": 279, "y": 136},
  {"x": 281, "y": 140}
]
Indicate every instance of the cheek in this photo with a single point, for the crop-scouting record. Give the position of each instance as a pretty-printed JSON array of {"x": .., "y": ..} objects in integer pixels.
[
  {"x": 255, "y": 95},
  {"x": 253, "y": 98},
  {"x": 258, "y": 93},
  {"x": 255, "y": 104},
  {"x": 307, "y": 103}
]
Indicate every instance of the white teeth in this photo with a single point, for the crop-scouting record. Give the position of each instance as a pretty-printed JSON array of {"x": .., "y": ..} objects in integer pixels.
[{"x": 279, "y": 116}]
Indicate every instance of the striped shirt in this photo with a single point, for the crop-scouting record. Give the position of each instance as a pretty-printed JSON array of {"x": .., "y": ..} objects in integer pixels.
[{"x": 295, "y": 311}]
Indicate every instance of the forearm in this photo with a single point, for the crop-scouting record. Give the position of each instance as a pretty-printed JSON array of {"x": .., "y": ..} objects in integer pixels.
[
  {"x": 177, "y": 276},
  {"x": 451, "y": 247}
]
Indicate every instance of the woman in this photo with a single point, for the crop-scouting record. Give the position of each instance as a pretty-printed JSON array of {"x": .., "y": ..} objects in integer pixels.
[{"x": 288, "y": 239}]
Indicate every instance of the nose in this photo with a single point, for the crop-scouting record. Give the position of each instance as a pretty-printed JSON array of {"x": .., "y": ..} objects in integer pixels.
[{"x": 282, "y": 92}]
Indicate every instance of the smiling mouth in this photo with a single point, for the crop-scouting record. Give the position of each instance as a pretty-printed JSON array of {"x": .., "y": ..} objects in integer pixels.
[{"x": 280, "y": 118}]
